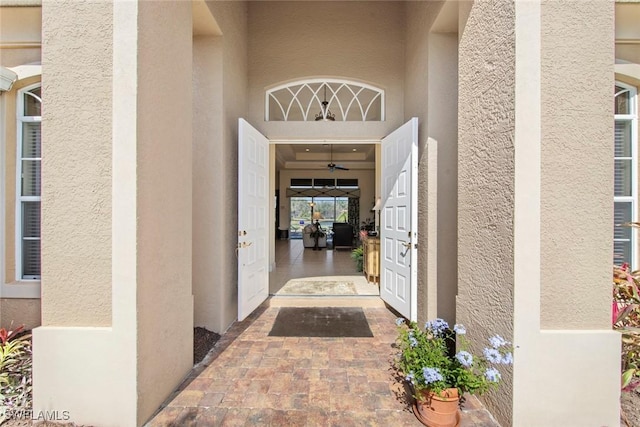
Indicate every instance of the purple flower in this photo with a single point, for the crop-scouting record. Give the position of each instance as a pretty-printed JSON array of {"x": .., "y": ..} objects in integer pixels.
[
  {"x": 413, "y": 342},
  {"x": 437, "y": 327},
  {"x": 431, "y": 375},
  {"x": 411, "y": 377},
  {"x": 492, "y": 375},
  {"x": 507, "y": 359},
  {"x": 492, "y": 355},
  {"x": 399, "y": 321},
  {"x": 497, "y": 341},
  {"x": 459, "y": 329},
  {"x": 465, "y": 358}
]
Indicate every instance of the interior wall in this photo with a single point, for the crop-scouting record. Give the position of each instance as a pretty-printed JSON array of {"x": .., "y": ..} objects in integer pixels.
[
  {"x": 290, "y": 40},
  {"x": 232, "y": 20},
  {"x": 366, "y": 182},
  {"x": 627, "y": 31}
]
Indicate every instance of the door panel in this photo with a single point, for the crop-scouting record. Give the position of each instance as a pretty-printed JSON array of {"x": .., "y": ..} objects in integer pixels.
[
  {"x": 253, "y": 211},
  {"x": 399, "y": 219}
]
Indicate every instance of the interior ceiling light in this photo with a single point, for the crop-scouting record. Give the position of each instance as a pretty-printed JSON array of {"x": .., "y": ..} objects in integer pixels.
[{"x": 325, "y": 114}]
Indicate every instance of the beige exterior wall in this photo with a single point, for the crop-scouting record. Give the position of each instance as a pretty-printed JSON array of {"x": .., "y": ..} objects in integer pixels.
[
  {"x": 20, "y": 36},
  {"x": 486, "y": 180},
  {"x": 76, "y": 251},
  {"x": 568, "y": 242},
  {"x": 353, "y": 40},
  {"x": 20, "y": 43},
  {"x": 209, "y": 170},
  {"x": 217, "y": 268},
  {"x": 19, "y": 311},
  {"x": 149, "y": 276}
]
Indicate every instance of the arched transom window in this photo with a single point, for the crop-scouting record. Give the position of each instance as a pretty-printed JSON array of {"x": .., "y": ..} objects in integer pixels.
[{"x": 324, "y": 99}]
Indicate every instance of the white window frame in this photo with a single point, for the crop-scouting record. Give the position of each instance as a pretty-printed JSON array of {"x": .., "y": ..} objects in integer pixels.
[
  {"x": 334, "y": 86},
  {"x": 21, "y": 118},
  {"x": 632, "y": 117}
]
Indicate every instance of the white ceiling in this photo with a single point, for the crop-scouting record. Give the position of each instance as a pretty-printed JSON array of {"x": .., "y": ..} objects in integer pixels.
[{"x": 317, "y": 156}]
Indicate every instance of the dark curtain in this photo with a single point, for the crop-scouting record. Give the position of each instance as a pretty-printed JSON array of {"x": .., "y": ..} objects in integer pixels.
[{"x": 354, "y": 213}]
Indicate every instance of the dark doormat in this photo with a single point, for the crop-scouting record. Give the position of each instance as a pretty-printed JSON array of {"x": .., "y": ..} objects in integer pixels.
[{"x": 321, "y": 322}]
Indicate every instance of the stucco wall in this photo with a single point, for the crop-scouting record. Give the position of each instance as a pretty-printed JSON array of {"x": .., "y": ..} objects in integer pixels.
[
  {"x": 486, "y": 105},
  {"x": 76, "y": 224},
  {"x": 208, "y": 173},
  {"x": 232, "y": 19},
  {"x": 576, "y": 111},
  {"x": 164, "y": 200},
  {"x": 20, "y": 35},
  {"x": 358, "y": 40},
  {"x": 18, "y": 311}
]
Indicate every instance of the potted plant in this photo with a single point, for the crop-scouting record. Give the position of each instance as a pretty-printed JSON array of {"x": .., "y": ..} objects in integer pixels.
[
  {"x": 357, "y": 255},
  {"x": 439, "y": 367}
]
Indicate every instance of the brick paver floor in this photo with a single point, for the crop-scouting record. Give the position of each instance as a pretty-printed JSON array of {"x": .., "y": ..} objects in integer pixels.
[{"x": 251, "y": 379}]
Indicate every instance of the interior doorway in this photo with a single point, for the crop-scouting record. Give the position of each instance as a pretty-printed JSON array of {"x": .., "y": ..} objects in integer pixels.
[
  {"x": 332, "y": 184},
  {"x": 398, "y": 240}
]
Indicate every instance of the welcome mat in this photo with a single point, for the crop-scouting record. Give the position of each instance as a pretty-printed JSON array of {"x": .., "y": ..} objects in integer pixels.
[
  {"x": 321, "y": 322},
  {"x": 318, "y": 287}
]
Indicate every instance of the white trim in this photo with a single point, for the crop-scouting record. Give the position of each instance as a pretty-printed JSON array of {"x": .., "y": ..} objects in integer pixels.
[
  {"x": 23, "y": 289},
  {"x": 20, "y": 119},
  {"x": 632, "y": 117},
  {"x": 3, "y": 170},
  {"x": 334, "y": 85}
]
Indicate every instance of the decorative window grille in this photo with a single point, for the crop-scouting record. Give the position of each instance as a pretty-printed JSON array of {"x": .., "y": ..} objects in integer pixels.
[
  {"x": 303, "y": 101},
  {"x": 28, "y": 184},
  {"x": 625, "y": 174}
]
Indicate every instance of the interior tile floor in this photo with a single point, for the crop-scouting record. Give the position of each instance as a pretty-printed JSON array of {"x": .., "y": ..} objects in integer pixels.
[
  {"x": 252, "y": 379},
  {"x": 293, "y": 261}
]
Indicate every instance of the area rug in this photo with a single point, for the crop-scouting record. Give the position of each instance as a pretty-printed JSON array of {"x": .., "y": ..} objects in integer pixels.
[
  {"x": 318, "y": 287},
  {"x": 321, "y": 322}
]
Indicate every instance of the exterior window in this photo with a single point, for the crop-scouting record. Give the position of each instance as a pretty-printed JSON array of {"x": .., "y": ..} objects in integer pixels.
[
  {"x": 625, "y": 175},
  {"x": 28, "y": 184}
]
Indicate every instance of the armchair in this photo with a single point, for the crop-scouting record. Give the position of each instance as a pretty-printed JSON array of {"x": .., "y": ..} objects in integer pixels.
[
  {"x": 342, "y": 235},
  {"x": 308, "y": 241}
]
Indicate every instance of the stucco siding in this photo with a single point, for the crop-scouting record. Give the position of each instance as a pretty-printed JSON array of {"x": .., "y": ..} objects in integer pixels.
[
  {"x": 76, "y": 224},
  {"x": 164, "y": 201},
  {"x": 577, "y": 111},
  {"x": 486, "y": 122}
]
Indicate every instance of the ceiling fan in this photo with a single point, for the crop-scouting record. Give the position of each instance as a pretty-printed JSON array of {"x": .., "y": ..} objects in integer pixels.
[{"x": 332, "y": 166}]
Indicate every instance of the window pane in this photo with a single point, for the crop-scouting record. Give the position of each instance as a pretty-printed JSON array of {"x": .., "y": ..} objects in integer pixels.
[
  {"x": 31, "y": 219},
  {"x": 31, "y": 259},
  {"x": 32, "y": 104},
  {"x": 31, "y": 240},
  {"x": 324, "y": 182},
  {"x": 621, "y": 234},
  {"x": 342, "y": 209},
  {"x": 31, "y": 177},
  {"x": 622, "y": 138},
  {"x": 300, "y": 216},
  {"x": 622, "y": 178},
  {"x": 31, "y": 138}
]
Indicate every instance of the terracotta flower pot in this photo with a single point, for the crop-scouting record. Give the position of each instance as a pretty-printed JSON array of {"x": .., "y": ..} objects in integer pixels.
[{"x": 437, "y": 410}]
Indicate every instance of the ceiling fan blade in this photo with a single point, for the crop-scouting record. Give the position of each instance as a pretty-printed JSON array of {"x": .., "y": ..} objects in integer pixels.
[{"x": 342, "y": 168}]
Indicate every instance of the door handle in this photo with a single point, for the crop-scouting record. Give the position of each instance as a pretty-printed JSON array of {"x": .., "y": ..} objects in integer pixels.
[{"x": 406, "y": 245}]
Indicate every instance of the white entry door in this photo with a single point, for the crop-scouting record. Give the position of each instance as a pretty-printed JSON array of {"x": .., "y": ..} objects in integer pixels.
[
  {"x": 399, "y": 220},
  {"x": 253, "y": 213}
]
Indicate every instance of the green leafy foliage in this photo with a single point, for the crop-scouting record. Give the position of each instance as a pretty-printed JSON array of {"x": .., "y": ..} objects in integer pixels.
[
  {"x": 15, "y": 372},
  {"x": 357, "y": 255},
  {"x": 437, "y": 358},
  {"x": 625, "y": 316}
]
